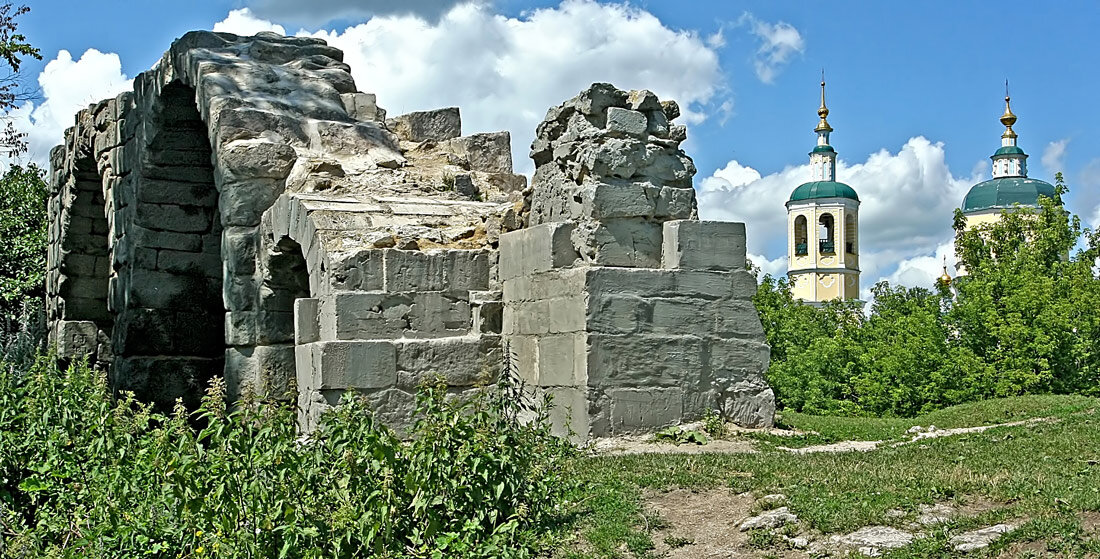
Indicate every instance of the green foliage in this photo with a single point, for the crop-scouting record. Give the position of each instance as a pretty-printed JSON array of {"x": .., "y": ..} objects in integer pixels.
[
  {"x": 82, "y": 475},
  {"x": 1043, "y": 471},
  {"x": 679, "y": 435},
  {"x": 23, "y": 225},
  {"x": 713, "y": 424},
  {"x": 1021, "y": 321},
  {"x": 13, "y": 48}
]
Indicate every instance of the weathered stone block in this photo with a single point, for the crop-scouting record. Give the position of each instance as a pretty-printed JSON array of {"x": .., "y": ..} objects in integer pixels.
[
  {"x": 487, "y": 152},
  {"x": 557, "y": 360},
  {"x": 536, "y": 249},
  {"x": 613, "y": 360},
  {"x": 76, "y": 339},
  {"x": 358, "y": 364},
  {"x": 459, "y": 361},
  {"x": 617, "y": 314},
  {"x": 358, "y": 270},
  {"x": 626, "y": 122},
  {"x": 435, "y": 270},
  {"x": 363, "y": 106},
  {"x": 703, "y": 245},
  {"x": 633, "y": 242},
  {"x": 569, "y": 413},
  {"x": 438, "y": 125},
  {"x": 307, "y": 328},
  {"x": 634, "y": 409}
]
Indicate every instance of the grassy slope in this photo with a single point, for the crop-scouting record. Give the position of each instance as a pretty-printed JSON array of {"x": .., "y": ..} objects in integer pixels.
[{"x": 1046, "y": 472}]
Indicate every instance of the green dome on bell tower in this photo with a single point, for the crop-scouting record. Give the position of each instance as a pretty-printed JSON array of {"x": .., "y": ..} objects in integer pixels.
[{"x": 1010, "y": 184}]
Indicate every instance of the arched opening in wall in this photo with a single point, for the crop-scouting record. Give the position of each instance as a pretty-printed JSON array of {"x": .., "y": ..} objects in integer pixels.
[
  {"x": 826, "y": 234},
  {"x": 285, "y": 281},
  {"x": 801, "y": 246},
  {"x": 850, "y": 234},
  {"x": 170, "y": 335},
  {"x": 84, "y": 268}
]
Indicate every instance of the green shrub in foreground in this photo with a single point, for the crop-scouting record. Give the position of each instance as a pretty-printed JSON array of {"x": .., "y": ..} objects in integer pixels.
[{"x": 83, "y": 476}]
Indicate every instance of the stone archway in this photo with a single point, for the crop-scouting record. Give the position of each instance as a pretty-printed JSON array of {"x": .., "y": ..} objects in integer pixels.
[
  {"x": 80, "y": 265},
  {"x": 169, "y": 338}
]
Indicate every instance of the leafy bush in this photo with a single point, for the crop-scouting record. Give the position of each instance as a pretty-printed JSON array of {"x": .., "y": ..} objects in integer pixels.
[
  {"x": 84, "y": 476},
  {"x": 23, "y": 196},
  {"x": 1022, "y": 321}
]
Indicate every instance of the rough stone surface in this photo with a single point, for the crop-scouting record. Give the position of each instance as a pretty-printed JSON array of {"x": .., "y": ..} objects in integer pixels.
[
  {"x": 980, "y": 538},
  {"x": 246, "y": 212},
  {"x": 774, "y": 518},
  {"x": 873, "y": 540}
]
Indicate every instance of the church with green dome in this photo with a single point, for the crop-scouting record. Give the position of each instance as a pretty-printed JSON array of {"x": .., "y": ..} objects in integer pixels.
[
  {"x": 823, "y": 227},
  {"x": 1010, "y": 186}
]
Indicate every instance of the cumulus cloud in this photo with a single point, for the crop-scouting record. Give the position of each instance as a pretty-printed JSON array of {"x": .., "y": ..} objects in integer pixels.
[
  {"x": 907, "y": 202},
  {"x": 505, "y": 72},
  {"x": 67, "y": 86},
  {"x": 922, "y": 271},
  {"x": 776, "y": 268},
  {"x": 243, "y": 22},
  {"x": 319, "y": 12},
  {"x": 779, "y": 42},
  {"x": 1054, "y": 156}
]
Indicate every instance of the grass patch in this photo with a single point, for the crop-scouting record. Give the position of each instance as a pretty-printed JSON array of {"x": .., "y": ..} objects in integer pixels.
[
  {"x": 831, "y": 429},
  {"x": 1046, "y": 472}
]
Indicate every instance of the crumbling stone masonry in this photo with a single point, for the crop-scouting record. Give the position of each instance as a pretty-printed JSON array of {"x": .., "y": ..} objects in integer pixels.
[
  {"x": 617, "y": 300},
  {"x": 245, "y": 212}
]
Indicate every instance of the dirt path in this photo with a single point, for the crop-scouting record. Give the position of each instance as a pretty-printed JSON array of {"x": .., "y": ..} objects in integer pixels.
[
  {"x": 931, "y": 433},
  {"x": 644, "y": 444}
]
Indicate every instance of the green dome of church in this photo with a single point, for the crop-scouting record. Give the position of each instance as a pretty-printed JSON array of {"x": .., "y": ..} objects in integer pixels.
[
  {"x": 823, "y": 189},
  {"x": 1005, "y": 192}
]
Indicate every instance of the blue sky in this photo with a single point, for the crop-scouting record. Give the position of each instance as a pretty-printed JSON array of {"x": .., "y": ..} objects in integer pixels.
[{"x": 915, "y": 88}]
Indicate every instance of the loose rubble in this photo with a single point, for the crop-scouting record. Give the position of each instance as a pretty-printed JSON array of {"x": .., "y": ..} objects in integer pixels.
[{"x": 981, "y": 538}]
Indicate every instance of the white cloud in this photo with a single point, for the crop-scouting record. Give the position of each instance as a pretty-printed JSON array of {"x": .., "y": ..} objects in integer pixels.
[
  {"x": 922, "y": 271},
  {"x": 1054, "y": 156},
  {"x": 243, "y": 22},
  {"x": 316, "y": 13},
  {"x": 67, "y": 86},
  {"x": 505, "y": 72},
  {"x": 776, "y": 268},
  {"x": 907, "y": 198},
  {"x": 778, "y": 43}
]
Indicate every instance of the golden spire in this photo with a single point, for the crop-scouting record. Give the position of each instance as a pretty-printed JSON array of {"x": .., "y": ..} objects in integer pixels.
[
  {"x": 945, "y": 278},
  {"x": 1008, "y": 119},
  {"x": 823, "y": 111}
]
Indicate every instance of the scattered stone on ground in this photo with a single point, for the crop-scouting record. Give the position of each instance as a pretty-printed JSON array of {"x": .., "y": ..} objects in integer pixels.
[
  {"x": 931, "y": 432},
  {"x": 980, "y": 538},
  {"x": 936, "y": 514},
  {"x": 872, "y": 540},
  {"x": 626, "y": 445},
  {"x": 843, "y": 446},
  {"x": 797, "y": 542},
  {"x": 773, "y": 499},
  {"x": 770, "y": 519}
]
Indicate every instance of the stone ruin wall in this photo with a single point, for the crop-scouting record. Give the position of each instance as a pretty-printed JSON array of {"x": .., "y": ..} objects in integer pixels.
[{"x": 245, "y": 212}]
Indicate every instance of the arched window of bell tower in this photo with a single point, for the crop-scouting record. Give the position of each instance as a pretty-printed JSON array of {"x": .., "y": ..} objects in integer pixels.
[
  {"x": 801, "y": 247},
  {"x": 826, "y": 234},
  {"x": 850, "y": 234}
]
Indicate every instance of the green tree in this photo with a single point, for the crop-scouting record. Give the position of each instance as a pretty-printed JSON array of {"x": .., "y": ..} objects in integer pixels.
[
  {"x": 1027, "y": 304},
  {"x": 23, "y": 196},
  {"x": 1021, "y": 321},
  {"x": 13, "y": 48}
]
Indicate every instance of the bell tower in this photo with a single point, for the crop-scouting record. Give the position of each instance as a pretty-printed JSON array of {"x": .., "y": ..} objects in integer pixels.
[{"x": 823, "y": 226}]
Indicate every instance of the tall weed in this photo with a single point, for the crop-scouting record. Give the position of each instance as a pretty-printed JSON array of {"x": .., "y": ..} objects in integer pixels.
[{"x": 84, "y": 476}]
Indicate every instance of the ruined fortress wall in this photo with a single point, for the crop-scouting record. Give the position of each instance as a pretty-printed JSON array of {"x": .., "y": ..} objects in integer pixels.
[{"x": 246, "y": 213}]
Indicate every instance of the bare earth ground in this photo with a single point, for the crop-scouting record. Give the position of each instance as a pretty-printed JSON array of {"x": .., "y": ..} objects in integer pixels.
[{"x": 705, "y": 524}]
